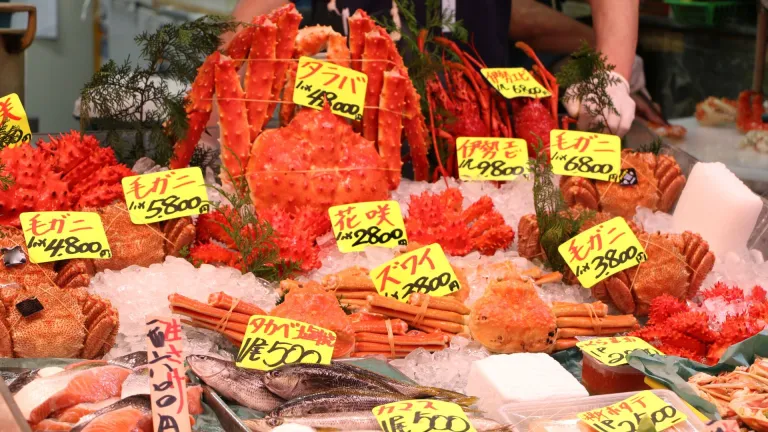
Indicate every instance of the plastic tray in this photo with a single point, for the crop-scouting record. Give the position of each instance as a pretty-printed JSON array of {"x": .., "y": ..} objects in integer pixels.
[
  {"x": 711, "y": 13},
  {"x": 561, "y": 414}
]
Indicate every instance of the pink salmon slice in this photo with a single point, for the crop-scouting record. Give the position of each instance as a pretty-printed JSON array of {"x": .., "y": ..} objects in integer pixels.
[
  {"x": 124, "y": 419},
  {"x": 73, "y": 414}
]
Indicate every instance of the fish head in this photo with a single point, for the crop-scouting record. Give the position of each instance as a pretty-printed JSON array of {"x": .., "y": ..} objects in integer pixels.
[
  {"x": 264, "y": 424},
  {"x": 207, "y": 366},
  {"x": 282, "y": 381}
]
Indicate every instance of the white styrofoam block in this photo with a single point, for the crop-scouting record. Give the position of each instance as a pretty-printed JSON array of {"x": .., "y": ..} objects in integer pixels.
[
  {"x": 523, "y": 377},
  {"x": 718, "y": 206}
]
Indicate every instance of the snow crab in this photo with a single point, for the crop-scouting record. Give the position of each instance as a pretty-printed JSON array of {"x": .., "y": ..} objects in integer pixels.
[
  {"x": 677, "y": 265},
  {"x": 660, "y": 182},
  {"x": 321, "y": 160},
  {"x": 750, "y": 112},
  {"x": 47, "y": 321},
  {"x": 70, "y": 172}
]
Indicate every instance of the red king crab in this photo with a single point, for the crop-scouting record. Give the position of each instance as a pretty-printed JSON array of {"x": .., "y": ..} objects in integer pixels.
[
  {"x": 750, "y": 112},
  {"x": 70, "y": 172},
  {"x": 660, "y": 182},
  {"x": 440, "y": 219},
  {"x": 317, "y": 159},
  {"x": 677, "y": 265}
]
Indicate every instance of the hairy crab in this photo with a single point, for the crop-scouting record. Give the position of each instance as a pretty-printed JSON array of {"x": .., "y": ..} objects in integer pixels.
[
  {"x": 660, "y": 182},
  {"x": 322, "y": 161},
  {"x": 677, "y": 265},
  {"x": 70, "y": 172}
]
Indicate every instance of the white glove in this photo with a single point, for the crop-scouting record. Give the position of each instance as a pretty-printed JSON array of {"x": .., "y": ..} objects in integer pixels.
[{"x": 618, "y": 124}]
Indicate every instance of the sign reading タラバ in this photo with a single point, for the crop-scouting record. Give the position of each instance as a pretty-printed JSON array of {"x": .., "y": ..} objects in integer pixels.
[
  {"x": 165, "y": 195},
  {"x": 13, "y": 118},
  {"x": 374, "y": 223},
  {"x": 602, "y": 251},
  {"x": 168, "y": 388},
  {"x": 491, "y": 158},
  {"x": 627, "y": 414},
  {"x": 514, "y": 82},
  {"x": 271, "y": 342},
  {"x": 344, "y": 88},
  {"x": 425, "y": 270},
  {"x": 585, "y": 154},
  {"x": 56, "y": 236},
  {"x": 613, "y": 351},
  {"x": 422, "y": 415}
]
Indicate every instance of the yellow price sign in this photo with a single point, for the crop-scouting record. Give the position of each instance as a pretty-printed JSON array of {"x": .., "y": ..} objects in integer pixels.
[
  {"x": 61, "y": 235},
  {"x": 344, "y": 88},
  {"x": 271, "y": 342},
  {"x": 491, "y": 158},
  {"x": 514, "y": 82},
  {"x": 422, "y": 415},
  {"x": 585, "y": 154},
  {"x": 13, "y": 116},
  {"x": 602, "y": 251},
  {"x": 613, "y": 351},
  {"x": 627, "y": 414},
  {"x": 165, "y": 195},
  {"x": 425, "y": 270},
  {"x": 374, "y": 223}
]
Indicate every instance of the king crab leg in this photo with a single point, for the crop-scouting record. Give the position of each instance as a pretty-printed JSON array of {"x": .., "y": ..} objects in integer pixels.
[
  {"x": 198, "y": 112},
  {"x": 233, "y": 119},
  {"x": 259, "y": 75},
  {"x": 287, "y": 19},
  {"x": 373, "y": 67},
  {"x": 390, "y": 123}
]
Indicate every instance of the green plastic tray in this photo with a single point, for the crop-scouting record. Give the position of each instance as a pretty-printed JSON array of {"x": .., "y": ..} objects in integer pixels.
[{"x": 712, "y": 13}]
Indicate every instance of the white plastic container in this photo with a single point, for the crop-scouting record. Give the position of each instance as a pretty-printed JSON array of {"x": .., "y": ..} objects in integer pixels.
[{"x": 561, "y": 415}]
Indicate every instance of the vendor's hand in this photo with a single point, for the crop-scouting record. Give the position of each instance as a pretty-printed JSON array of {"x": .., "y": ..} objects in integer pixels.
[{"x": 616, "y": 122}]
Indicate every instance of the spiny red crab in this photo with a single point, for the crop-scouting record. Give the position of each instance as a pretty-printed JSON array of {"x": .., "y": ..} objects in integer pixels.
[
  {"x": 70, "y": 172},
  {"x": 322, "y": 160}
]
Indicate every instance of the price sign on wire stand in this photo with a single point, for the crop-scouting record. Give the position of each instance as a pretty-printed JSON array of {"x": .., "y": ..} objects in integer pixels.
[
  {"x": 56, "y": 236},
  {"x": 585, "y": 154},
  {"x": 514, "y": 83},
  {"x": 425, "y": 270},
  {"x": 168, "y": 388},
  {"x": 374, "y": 223},
  {"x": 491, "y": 158},
  {"x": 422, "y": 415},
  {"x": 271, "y": 342},
  {"x": 613, "y": 351},
  {"x": 627, "y": 414},
  {"x": 602, "y": 251},
  {"x": 13, "y": 122},
  {"x": 343, "y": 88},
  {"x": 165, "y": 195}
]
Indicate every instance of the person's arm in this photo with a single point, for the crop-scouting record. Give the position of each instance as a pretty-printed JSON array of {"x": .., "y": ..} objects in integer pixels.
[
  {"x": 546, "y": 29},
  {"x": 245, "y": 10},
  {"x": 615, "y": 23}
]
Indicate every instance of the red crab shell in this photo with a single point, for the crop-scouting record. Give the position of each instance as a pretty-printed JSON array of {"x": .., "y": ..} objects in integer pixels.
[
  {"x": 533, "y": 122},
  {"x": 317, "y": 160}
]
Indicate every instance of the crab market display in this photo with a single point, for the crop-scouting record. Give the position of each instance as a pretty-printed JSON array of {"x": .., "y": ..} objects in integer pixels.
[{"x": 236, "y": 308}]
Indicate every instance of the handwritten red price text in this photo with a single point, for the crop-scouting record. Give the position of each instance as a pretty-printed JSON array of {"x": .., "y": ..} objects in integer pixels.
[
  {"x": 53, "y": 236},
  {"x": 491, "y": 158},
  {"x": 13, "y": 116},
  {"x": 425, "y": 270},
  {"x": 271, "y": 342},
  {"x": 627, "y": 414},
  {"x": 166, "y": 373},
  {"x": 422, "y": 416},
  {"x": 166, "y": 195},
  {"x": 343, "y": 88},
  {"x": 376, "y": 223}
]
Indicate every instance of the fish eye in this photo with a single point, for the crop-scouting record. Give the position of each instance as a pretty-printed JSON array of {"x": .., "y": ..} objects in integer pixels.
[
  {"x": 274, "y": 421},
  {"x": 275, "y": 373}
]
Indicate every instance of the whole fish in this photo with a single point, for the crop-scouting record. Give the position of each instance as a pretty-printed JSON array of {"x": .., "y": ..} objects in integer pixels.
[
  {"x": 335, "y": 401},
  {"x": 131, "y": 413},
  {"x": 244, "y": 386},
  {"x": 348, "y": 421},
  {"x": 297, "y": 380}
]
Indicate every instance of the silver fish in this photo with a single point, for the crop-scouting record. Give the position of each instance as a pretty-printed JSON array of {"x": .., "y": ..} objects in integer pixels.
[
  {"x": 244, "y": 386},
  {"x": 335, "y": 401},
  {"x": 297, "y": 380},
  {"x": 137, "y": 402},
  {"x": 348, "y": 421},
  {"x": 130, "y": 361}
]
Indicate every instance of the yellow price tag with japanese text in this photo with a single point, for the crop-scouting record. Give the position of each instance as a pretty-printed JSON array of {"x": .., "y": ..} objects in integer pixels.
[
  {"x": 344, "y": 88},
  {"x": 374, "y": 223},
  {"x": 16, "y": 130},
  {"x": 62, "y": 235},
  {"x": 425, "y": 270},
  {"x": 422, "y": 415},
  {"x": 602, "y": 251},
  {"x": 166, "y": 195},
  {"x": 491, "y": 158},
  {"x": 627, "y": 414},
  {"x": 514, "y": 82},
  {"x": 585, "y": 154},
  {"x": 271, "y": 342},
  {"x": 613, "y": 351}
]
